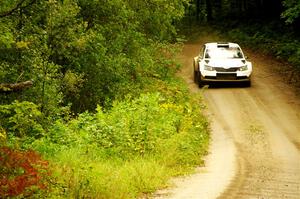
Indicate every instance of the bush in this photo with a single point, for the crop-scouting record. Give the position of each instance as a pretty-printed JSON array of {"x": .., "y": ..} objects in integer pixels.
[
  {"x": 22, "y": 173},
  {"x": 22, "y": 119},
  {"x": 129, "y": 128},
  {"x": 132, "y": 148},
  {"x": 2, "y": 136}
]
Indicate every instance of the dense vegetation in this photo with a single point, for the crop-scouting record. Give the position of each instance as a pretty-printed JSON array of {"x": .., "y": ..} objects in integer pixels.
[
  {"x": 245, "y": 10},
  {"x": 89, "y": 103},
  {"x": 90, "y": 85}
]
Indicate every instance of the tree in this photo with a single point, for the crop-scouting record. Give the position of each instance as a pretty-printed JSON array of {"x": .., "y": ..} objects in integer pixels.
[
  {"x": 209, "y": 10},
  {"x": 81, "y": 52},
  {"x": 240, "y": 9},
  {"x": 292, "y": 11}
]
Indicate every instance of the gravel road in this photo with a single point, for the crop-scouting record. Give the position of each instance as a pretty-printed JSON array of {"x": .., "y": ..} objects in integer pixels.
[{"x": 255, "y": 150}]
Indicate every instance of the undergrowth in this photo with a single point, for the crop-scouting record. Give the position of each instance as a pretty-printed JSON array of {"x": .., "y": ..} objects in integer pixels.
[
  {"x": 130, "y": 150},
  {"x": 127, "y": 151},
  {"x": 22, "y": 173}
]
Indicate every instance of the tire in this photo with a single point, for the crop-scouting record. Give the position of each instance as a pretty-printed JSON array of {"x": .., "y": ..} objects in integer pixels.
[
  {"x": 248, "y": 84},
  {"x": 195, "y": 72},
  {"x": 195, "y": 77},
  {"x": 199, "y": 81}
]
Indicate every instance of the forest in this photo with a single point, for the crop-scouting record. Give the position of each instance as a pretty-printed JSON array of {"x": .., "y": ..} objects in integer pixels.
[
  {"x": 90, "y": 104},
  {"x": 270, "y": 26}
]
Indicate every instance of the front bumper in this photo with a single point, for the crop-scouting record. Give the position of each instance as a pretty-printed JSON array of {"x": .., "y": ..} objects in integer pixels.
[{"x": 213, "y": 76}]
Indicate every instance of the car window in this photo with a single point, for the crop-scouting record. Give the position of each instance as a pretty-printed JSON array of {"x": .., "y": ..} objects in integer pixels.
[{"x": 223, "y": 53}]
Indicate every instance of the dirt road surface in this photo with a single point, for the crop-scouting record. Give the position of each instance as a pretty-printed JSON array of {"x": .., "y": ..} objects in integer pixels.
[{"x": 255, "y": 150}]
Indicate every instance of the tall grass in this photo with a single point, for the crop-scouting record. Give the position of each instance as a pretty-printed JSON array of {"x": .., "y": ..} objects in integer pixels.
[{"x": 130, "y": 150}]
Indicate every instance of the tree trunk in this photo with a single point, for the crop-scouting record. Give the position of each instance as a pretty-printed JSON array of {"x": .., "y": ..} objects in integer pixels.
[
  {"x": 198, "y": 10},
  {"x": 218, "y": 9},
  {"x": 209, "y": 10}
]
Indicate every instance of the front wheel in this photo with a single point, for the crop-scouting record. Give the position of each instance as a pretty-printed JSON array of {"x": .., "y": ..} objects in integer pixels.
[
  {"x": 200, "y": 83},
  {"x": 196, "y": 77},
  {"x": 248, "y": 84}
]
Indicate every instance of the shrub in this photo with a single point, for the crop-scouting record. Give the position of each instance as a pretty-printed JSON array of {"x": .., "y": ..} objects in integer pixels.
[
  {"x": 22, "y": 119},
  {"x": 129, "y": 150},
  {"x": 22, "y": 173},
  {"x": 2, "y": 135}
]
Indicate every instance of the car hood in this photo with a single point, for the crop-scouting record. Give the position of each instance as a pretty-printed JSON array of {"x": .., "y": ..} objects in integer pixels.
[{"x": 226, "y": 63}]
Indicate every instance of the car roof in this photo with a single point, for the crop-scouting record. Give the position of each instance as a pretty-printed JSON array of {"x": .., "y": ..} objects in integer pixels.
[{"x": 221, "y": 44}]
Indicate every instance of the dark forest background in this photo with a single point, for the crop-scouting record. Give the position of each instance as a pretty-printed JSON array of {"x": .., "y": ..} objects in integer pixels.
[
  {"x": 267, "y": 26},
  {"x": 246, "y": 10}
]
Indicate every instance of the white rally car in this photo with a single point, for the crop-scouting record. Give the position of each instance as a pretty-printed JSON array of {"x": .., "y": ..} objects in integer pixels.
[{"x": 221, "y": 62}]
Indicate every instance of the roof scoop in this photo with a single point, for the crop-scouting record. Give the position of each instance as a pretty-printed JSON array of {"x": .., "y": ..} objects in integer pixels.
[{"x": 223, "y": 45}]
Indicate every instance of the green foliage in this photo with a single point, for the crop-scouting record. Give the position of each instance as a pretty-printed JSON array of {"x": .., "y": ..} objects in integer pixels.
[
  {"x": 107, "y": 47},
  {"x": 21, "y": 119},
  {"x": 131, "y": 149},
  {"x": 6, "y": 36},
  {"x": 292, "y": 11},
  {"x": 111, "y": 63},
  {"x": 131, "y": 127},
  {"x": 3, "y": 136},
  {"x": 107, "y": 179}
]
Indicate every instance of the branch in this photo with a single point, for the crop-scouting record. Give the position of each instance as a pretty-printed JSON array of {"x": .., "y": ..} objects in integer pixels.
[
  {"x": 19, "y": 5},
  {"x": 4, "y": 87}
]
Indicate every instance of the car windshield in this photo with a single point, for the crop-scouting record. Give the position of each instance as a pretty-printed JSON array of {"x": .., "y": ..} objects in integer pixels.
[{"x": 223, "y": 53}]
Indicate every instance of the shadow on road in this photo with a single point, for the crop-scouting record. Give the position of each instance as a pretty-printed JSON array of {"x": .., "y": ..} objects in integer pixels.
[{"x": 217, "y": 85}]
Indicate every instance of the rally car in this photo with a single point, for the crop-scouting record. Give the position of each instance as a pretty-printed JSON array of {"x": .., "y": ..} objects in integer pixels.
[{"x": 221, "y": 62}]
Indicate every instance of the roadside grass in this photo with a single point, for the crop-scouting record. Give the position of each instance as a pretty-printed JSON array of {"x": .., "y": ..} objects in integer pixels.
[
  {"x": 130, "y": 150},
  {"x": 82, "y": 178},
  {"x": 106, "y": 179}
]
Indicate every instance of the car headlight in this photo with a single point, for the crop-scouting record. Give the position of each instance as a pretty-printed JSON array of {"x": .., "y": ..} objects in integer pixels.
[
  {"x": 208, "y": 68},
  {"x": 244, "y": 68}
]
